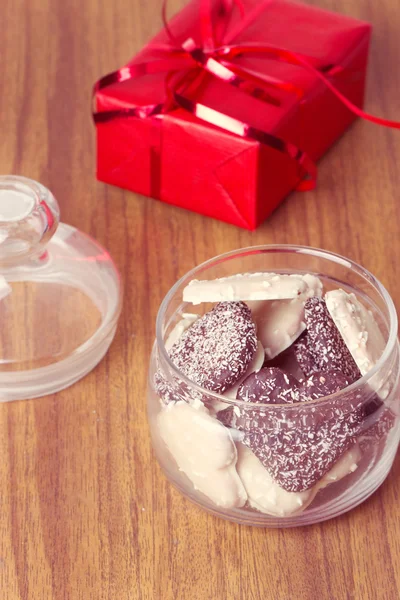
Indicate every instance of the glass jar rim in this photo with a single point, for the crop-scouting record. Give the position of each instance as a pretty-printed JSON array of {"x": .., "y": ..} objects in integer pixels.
[{"x": 289, "y": 248}]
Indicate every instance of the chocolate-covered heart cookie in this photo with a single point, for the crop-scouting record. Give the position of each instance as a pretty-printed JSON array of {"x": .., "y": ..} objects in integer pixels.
[
  {"x": 216, "y": 350},
  {"x": 297, "y": 444},
  {"x": 323, "y": 343},
  {"x": 269, "y": 386}
]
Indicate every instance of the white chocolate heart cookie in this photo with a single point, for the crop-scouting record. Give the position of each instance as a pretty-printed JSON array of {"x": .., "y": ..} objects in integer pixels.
[
  {"x": 203, "y": 449},
  {"x": 281, "y": 322},
  {"x": 357, "y": 327},
  {"x": 249, "y": 286}
]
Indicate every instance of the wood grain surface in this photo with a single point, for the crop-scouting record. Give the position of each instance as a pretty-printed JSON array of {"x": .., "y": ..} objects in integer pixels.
[{"x": 85, "y": 513}]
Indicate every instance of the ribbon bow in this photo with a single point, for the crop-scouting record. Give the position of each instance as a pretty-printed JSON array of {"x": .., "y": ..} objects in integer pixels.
[{"x": 187, "y": 63}]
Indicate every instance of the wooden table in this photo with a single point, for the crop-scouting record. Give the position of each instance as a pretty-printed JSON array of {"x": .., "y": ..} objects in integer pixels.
[{"x": 85, "y": 513}]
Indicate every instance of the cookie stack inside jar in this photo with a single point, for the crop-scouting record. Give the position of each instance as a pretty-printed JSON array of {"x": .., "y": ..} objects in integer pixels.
[{"x": 263, "y": 411}]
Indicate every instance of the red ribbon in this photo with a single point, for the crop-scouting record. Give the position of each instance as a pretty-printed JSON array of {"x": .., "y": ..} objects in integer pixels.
[{"x": 187, "y": 62}]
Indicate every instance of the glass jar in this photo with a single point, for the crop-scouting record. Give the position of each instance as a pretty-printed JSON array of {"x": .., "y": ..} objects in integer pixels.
[
  {"x": 206, "y": 432},
  {"x": 60, "y": 295}
]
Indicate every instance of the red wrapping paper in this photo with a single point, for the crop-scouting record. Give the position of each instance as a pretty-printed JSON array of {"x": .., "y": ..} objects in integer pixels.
[{"x": 184, "y": 161}]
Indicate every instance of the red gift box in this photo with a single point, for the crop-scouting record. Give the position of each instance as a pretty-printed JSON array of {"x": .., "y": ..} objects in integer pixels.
[{"x": 233, "y": 142}]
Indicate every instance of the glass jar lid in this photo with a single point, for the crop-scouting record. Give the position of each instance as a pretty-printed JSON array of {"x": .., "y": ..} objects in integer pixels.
[{"x": 60, "y": 295}]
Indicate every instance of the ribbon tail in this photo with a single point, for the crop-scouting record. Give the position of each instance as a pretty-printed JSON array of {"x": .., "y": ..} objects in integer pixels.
[
  {"x": 321, "y": 72},
  {"x": 212, "y": 32},
  {"x": 359, "y": 112},
  {"x": 224, "y": 15}
]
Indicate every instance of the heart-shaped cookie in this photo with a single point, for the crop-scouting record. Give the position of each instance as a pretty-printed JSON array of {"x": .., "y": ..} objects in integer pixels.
[
  {"x": 321, "y": 347},
  {"x": 217, "y": 349},
  {"x": 300, "y": 442}
]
